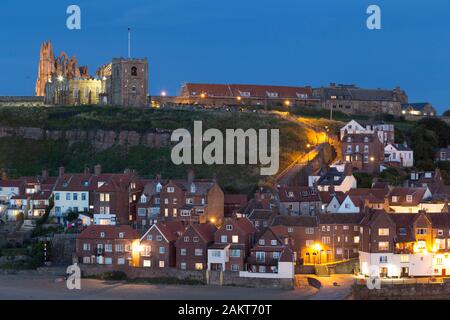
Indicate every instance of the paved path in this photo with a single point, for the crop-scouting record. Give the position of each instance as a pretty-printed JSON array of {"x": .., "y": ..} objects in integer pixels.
[
  {"x": 330, "y": 292},
  {"x": 47, "y": 287}
]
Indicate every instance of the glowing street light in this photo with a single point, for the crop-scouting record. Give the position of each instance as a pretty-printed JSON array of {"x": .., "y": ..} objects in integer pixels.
[
  {"x": 287, "y": 103},
  {"x": 203, "y": 95},
  {"x": 238, "y": 98},
  {"x": 163, "y": 93},
  {"x": 60, "y": 78}
]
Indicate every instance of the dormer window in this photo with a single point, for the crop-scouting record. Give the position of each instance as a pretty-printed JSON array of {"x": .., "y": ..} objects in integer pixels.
[
  {"x": 409, "y": 198},
  {"x": 86, "y": 183},
  {"x": 158, "y": 187},
  {"x": 143, "y": 199},
  {"x": 229, "y": 227},
  {"x": 302, "y": 95},
  {"x": 272, "y": 94},
  {"x": 193, "y": 189},
  {"x": 290, "y": 194},
  {"x": 349, "y": 139},
  {"x": 102, "y": 234},
  {"x": 394, "y": 199},
  {"x": 121, "y": 235},
  {"x": 170, "y": 189},
  {"x": 245, "y": 94},
  {"x": 336, "y": 178},
  {"x": 65, "y": 184}
]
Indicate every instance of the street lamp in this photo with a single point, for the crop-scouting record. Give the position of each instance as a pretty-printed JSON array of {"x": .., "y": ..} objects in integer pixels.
[{"x": 163, "y": 93}]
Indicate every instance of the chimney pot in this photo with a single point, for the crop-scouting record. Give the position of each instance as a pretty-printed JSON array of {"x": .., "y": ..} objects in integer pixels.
[{"x": 98, "y": 170}]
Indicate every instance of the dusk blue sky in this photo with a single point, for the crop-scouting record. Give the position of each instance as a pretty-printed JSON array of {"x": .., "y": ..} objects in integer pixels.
[{"x": 282, "y": 42}]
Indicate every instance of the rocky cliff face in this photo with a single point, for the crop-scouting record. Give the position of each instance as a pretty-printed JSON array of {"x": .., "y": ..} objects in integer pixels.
[{"x": 99, "y": 139}]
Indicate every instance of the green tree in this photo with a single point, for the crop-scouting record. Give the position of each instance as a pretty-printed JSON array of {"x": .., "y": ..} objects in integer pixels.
[{"x": 363, "y": 179}]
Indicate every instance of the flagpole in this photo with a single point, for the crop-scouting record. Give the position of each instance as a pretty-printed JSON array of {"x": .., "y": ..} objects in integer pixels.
[{"x": 129, "y": 42}]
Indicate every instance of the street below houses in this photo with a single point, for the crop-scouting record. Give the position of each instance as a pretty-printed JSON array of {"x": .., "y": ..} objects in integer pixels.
[{"x": 51, "y": 287}]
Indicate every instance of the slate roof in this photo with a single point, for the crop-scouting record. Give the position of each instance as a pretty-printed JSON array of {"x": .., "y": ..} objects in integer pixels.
[
  {"x": 299, "y": 194},
  {"x": 340, "y": 218},
  {"x": 295, "y": 221}
]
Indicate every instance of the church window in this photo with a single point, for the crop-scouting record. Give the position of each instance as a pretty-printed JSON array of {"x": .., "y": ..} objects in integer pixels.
[{"x": 134, "y": 71}]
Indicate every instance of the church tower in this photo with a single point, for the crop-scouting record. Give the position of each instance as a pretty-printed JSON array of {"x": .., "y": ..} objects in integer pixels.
[
  {"x": 46, "y": 67},
  {"x": 129, "y": 82}
]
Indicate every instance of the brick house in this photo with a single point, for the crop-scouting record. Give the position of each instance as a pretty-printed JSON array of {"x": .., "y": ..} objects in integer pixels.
[
  {"x": 299, "y": 201},
  {"x": 405, "y": 244},
  {"x": 339, "y": 236},
  {"x": 116, "y": 196},
  {"x": 232, "y": 243},
  {"x": 364, "y": 152},
  {"x": 158, "y": 244},
  {"x": 148, "y": 206},
  {"x": 107, "y": 244},
  {"x": 192, "y": 246},
  {"x": 301, "y": 232},
  {"x": 266, "y": 253},
  {"x": 189, "y": 201},
  {"x": 351, "y": 99},
  {"x": 442, "y": 154},
  {"x": 192, "y": 200},
  {"x": 262, "y": 218}
]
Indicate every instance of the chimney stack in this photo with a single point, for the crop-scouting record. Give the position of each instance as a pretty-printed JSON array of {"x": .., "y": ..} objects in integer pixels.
[
  {"x": 44, "y": 174},
  {"x": 61, "y": 171},
  {"x": 97, "y": 169}
]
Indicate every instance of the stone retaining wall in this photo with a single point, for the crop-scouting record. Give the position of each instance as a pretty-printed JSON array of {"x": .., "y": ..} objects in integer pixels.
[
  {"x": 403, "y": 291},
  {"x": 227, "y": 278}
]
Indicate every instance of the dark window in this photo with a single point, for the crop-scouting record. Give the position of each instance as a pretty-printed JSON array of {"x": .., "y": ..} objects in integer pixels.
[{"x": 134, "y": 71}]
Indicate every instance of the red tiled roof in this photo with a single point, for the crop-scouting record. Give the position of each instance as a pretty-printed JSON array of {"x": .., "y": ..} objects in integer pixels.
[
  {"x": 246, "y": 225},
  {"x": 326, "y": 196},
  {"x": 254, "y": 91},
  {"x": 239, "y": 199},
  {"x": 402, "y": 193},
  {"x": 205, "y": 230},
  {"x": 16, "y": 183}
]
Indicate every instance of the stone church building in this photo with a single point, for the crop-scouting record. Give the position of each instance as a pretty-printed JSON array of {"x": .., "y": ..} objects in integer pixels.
[{"x": 123, "y": 82}]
